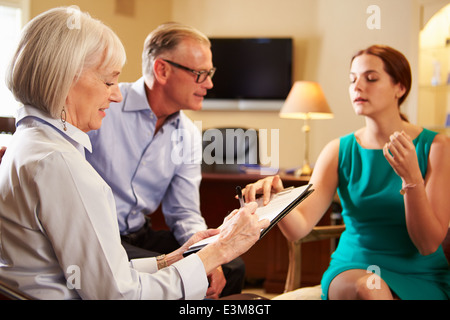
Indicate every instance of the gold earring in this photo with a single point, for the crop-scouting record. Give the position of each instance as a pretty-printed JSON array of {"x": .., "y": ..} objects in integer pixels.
[{"x": 63, "y": 118}]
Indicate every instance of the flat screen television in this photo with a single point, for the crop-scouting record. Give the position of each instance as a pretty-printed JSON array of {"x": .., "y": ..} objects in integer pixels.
[{"x": 249, "y": 70}]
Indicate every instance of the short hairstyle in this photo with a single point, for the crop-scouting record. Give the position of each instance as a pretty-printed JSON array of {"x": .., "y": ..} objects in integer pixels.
[
  {"x": 54, "y": 49},
  {"x": 395, "y": 64},
  {"x": 166, "y": 38}
]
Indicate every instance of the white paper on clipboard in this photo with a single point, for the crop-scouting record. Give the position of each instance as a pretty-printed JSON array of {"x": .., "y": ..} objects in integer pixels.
[{"x": 278, "y": 207}]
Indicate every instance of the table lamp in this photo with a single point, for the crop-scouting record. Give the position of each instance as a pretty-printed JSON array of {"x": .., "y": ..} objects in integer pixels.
[{"x": 306, "y": 101}]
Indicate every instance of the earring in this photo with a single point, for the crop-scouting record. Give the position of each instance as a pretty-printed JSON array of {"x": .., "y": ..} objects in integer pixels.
[{"x": 63, "y": 118}]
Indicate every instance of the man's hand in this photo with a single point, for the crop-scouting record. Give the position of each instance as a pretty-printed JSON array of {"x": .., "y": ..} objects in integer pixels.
[{"x": 217, "y": 282}]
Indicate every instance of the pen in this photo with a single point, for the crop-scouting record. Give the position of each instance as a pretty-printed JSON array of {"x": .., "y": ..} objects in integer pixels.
[
  {"x": 286, "y": 190},
  {"x": 239, "y": 194}
]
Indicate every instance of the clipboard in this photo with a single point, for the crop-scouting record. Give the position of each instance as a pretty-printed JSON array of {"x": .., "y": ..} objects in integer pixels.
[{"x": 279, "y": 206}]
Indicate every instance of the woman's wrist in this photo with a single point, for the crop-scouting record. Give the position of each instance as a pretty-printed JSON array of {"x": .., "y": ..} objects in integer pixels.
[
  {"x": 161, "y": 261},
  {"x": 212, "y": 256},
  {"x": 171, "y": 258},
  {"x": 410, "y": 185}
]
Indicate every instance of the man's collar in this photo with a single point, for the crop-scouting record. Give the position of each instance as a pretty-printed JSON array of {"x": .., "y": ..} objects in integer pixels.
[
  {"x": 174, "y": 119},
  {"x": 136, "y": 99}
]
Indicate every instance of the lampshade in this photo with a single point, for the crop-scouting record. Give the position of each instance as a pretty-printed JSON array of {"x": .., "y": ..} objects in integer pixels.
[{"x": 306, "y": 101}]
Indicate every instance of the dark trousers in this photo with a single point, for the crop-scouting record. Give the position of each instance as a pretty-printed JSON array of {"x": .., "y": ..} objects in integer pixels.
[{"x": 151, "y": 243}]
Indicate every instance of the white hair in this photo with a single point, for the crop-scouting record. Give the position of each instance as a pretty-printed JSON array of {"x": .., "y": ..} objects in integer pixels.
[{"x": 55, "y": 48}]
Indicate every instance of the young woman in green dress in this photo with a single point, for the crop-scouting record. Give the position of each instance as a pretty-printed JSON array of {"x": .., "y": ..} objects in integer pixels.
[{"x": 391, "y": 177}]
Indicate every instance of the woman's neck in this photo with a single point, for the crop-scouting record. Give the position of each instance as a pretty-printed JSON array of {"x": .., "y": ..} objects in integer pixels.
[{"x": 377, "y": 133}]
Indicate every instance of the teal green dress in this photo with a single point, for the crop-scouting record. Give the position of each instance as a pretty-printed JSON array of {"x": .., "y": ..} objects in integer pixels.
[{"x": 376, "y": 238}]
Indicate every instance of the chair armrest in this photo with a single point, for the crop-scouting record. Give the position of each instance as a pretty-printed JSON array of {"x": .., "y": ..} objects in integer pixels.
[
  {"x": 324, "y": 232},
  {"x": 293, "y": 280}
]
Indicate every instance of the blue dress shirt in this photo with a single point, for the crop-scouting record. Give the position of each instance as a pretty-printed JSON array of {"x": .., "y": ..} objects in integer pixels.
[{"x": 145, "y": 170}]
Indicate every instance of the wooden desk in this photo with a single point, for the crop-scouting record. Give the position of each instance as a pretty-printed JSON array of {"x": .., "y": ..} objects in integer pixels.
[{"x": 267, "y": 260}]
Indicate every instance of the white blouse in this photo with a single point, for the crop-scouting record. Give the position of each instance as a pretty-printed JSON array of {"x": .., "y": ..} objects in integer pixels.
[{"x": 59, "y": 236}]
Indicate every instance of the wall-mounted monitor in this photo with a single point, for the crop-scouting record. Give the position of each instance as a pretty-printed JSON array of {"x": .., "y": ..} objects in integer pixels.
[{"x": 252, "y": 73}]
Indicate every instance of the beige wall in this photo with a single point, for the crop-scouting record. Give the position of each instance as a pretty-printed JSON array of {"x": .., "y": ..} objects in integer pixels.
[
  {"x": 434, "y": 100},
  {"x": 326, "y": 33},
  {"x": 132, "y": 29}
]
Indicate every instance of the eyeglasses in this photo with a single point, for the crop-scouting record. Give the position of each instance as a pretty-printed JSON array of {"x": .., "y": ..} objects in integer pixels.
[{"x": 201, "y": 75}]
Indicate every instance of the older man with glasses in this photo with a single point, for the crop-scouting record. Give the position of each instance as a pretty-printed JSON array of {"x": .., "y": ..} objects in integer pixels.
[
  {"x": 201, "y": 75},
  {"x": 138, "y": 149}
]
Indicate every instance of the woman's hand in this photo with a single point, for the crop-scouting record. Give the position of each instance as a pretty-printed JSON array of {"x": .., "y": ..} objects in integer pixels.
[
  {"x": 241, "y": 229},
  {"x": 427, "y": 206},
  {"x": 178, "y": 254},
  {"x": 266, "y": 186},
  {"x": 197, "y": 237},
  {"x": 239, "y": 232},
  {"x": 400, "y": 152}
]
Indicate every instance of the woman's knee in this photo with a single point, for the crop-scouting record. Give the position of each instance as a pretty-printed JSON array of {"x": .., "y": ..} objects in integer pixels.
[
  {"x": 372, "y": 287},
  {"x": 358, "y": 284}
]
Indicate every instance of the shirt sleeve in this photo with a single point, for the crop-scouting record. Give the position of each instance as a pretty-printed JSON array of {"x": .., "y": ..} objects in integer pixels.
[
  {"x": 186, "y": 269},
  {"x": 181, "y": 203},
  {"x": 77, "y": 213}
]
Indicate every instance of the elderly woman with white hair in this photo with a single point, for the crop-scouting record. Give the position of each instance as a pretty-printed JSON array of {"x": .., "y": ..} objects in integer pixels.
[{"x": 58, "y": 222}]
